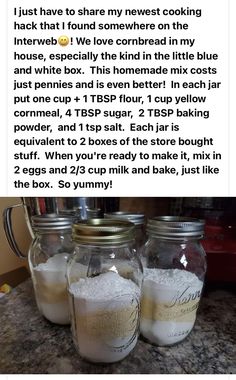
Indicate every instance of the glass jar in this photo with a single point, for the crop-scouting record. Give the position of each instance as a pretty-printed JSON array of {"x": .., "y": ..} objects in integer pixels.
[
  {"x": 104, "y": 281},
  {"x": 48, "y": 255},
  {"x": 137, "y": 219},
  {"x": 173, "y": 278}
]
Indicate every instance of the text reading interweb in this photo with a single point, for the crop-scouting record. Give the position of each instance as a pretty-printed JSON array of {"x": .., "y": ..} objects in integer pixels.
[{"x": 110, "y": 98}]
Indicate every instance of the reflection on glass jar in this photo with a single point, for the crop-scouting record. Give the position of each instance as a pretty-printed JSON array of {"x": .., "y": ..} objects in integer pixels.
[
  {"x": 173, "y": 278},
  {"x": 48, "y": 256},
  {"x": 104, "y": 277}
]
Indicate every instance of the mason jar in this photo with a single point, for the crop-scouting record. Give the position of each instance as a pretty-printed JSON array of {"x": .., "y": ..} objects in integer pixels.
[
  {"x": 137, "y": 219},
  {"x": 48, "y": 256},
  {"x": 104, "y": 282},
  {"x": 173, "y": 278}
]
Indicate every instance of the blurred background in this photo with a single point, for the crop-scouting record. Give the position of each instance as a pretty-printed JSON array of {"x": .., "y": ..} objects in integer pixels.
[{"x": 219, "y": 214}]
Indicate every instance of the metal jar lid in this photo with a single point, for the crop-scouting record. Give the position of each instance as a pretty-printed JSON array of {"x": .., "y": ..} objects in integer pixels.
[
  {"x": 103, "y": 232},
  {"x": 136, "y": 218},
  {"x": 51, "y": 222},
  {"x": 174, "y": 227}
]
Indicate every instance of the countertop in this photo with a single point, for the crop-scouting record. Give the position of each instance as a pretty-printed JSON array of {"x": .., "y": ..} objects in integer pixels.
[{"x": 29, "y": 344}]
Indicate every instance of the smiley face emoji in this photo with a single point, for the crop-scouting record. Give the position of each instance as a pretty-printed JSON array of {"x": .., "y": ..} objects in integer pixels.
[{"x": 63, "y": 40}]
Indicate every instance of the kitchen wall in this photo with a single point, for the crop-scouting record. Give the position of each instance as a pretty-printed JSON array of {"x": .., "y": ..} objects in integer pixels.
[
  {"x": 8, "y": 260},
  {"x": 148, "y": 205}
]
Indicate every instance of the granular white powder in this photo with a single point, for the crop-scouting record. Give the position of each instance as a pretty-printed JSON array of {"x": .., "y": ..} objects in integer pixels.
[
  {"x": 51, "y": 289},
  {"x": 106, "y": 316},
  {"x": 169, "y": 303}
]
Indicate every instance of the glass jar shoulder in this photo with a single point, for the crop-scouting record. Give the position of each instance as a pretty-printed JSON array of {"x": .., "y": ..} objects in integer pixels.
[
  {"x": 175, "y": 254},
  {"x": 88, "y": 261}
]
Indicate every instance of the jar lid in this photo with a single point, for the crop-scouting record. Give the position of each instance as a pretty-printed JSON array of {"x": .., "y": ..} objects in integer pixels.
[
  {"x": 174, "y": 227},
  {"x": 71, "y": 214},
  {"x": 136, "y": 218},
  {"x": 103, "y": 232},
  {"x": 67, "y": 213},
  {"x": 89, "y": 213},
  {"x": 51, "y": 222}
]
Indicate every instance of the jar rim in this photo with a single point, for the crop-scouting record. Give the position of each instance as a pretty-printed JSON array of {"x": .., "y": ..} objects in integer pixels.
[
  {"x": 103, "y": 231},
  {"x": 50, "y": 222},
  {"x": 176, "y": 227},
  {"x": 134, "y": 217}
]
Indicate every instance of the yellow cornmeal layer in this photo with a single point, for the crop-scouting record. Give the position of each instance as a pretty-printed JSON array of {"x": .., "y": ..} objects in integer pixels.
[
  {"x": 51, "y": 292},
  {"x": 166, "y": 312},
  {"x": 110, "y": 324}
]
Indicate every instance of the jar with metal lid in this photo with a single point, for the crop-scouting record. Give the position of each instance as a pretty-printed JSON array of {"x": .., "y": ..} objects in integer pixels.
[
  {"x": 104, "y": 282},
  {"x": 137, "y": 219},
  {"x": 173, "y": 278},
  {"x": 48, "y": 256}
]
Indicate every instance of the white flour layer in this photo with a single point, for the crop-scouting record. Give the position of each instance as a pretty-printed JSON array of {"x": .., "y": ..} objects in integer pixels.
[
  {"x": 106, "y": 316},
  {"x": 169, "y": 303},
  {"x": 51, "y": 289}
]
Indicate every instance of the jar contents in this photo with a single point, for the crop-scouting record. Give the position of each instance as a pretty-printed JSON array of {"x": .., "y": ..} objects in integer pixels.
[
  {"x": 51, "y": 288},
  {"x": 106, "y": 316},
  {"x": 169, "y": 303}
]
